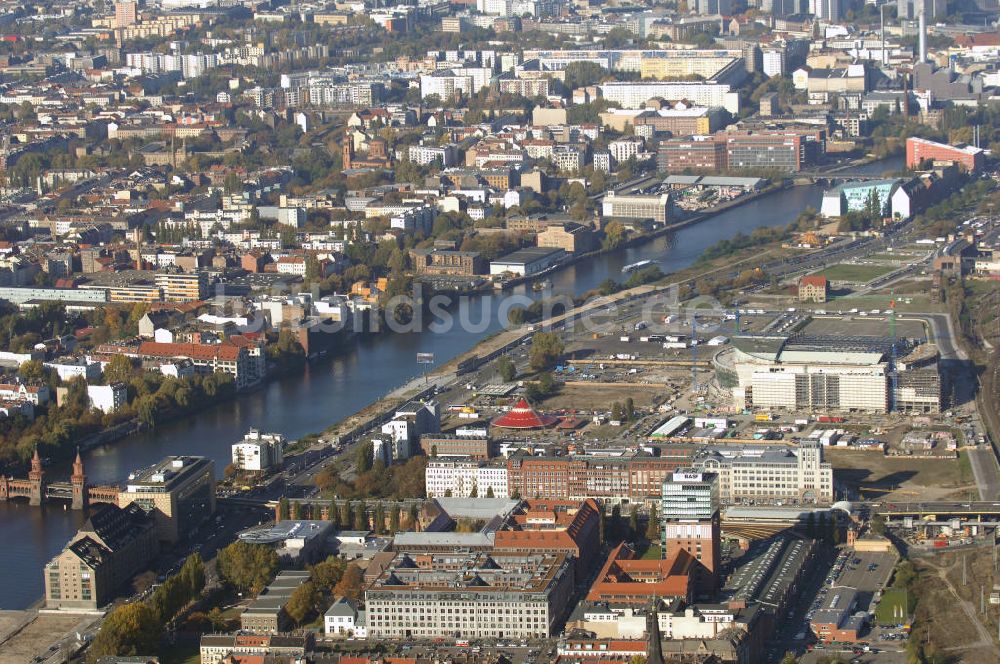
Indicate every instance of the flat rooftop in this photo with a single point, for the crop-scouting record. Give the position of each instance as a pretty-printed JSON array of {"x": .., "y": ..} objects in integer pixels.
[{"x": 167, "y": 474}]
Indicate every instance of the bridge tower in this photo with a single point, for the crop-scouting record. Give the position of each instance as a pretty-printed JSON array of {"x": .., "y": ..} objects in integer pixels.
[
  {"x": 78, "y": 481},
  {"x": 36, "y": 480}
]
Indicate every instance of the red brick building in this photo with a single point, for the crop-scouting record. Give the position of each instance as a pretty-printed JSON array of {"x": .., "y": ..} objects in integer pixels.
[
  {"x": 630, "y": 479},
  {"x": 919, "y": 150}
]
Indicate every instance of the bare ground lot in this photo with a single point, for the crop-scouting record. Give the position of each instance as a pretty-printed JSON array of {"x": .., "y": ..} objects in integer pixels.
[
  {"x": 940, "y": 612},
  {"x": 899, "y": 478},
  {"x": 586, "y": 397},
  {"x": 35, "y": 639}
]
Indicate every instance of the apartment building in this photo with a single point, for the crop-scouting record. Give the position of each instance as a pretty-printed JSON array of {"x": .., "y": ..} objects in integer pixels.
[
  {"x": 106, "y": 552},
  {"x": 237, "y": 356},
  {"x": 635, "y": 95},
  {"x": 426, "y": 155},
  {"x": 470, "y": 595},
  {"x": 179, "y": 492},
  {"x": 465, "y": 478},
  {"x": 182, "y": 287}
]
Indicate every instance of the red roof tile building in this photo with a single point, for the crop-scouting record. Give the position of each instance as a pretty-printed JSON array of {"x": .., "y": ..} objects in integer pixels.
[
  {"x": 627, "y": 580},
  {"x": 813, "y": 288},
  {"x": 567, "y": 526},
  {"x": 239, "y": 356}
]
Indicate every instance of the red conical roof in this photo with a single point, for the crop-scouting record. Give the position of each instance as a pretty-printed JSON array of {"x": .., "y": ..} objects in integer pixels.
[{"x": 523, "y": 416}]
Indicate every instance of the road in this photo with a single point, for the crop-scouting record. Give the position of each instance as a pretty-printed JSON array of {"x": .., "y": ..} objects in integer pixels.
[{"x": 984, "y": 468}]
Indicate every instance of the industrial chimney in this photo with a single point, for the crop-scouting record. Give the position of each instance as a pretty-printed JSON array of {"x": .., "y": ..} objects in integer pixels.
[{"x": 923, "y": 37}]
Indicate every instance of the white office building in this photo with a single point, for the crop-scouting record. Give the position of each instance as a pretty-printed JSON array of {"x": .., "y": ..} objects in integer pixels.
[
  {"x": 465, "y": 478},
  {"x": 258, "y": 451},
  {"x": 770, "y": 474},
  {"x": 655, "y": 208},
  {"x": 635, "y": 95}
]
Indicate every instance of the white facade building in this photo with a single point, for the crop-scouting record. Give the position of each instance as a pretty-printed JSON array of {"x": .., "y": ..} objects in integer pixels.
[
  {"x": 635, "y": 95},
  {"x": 107, "y": 398},
  {"x": 461, "y": 478},
  {"x": 770, "y": 474},
  {"x": 258, "y": 451}
]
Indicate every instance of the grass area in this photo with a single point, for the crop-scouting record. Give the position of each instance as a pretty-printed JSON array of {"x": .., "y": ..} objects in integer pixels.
[
  {"x": 652, "y": 552},
  {"x": 919, "y": 303},
  {"x": 891, "y": 607},
  {"x": 965, "y": 467},
  {"x": 856, "y": 273}
]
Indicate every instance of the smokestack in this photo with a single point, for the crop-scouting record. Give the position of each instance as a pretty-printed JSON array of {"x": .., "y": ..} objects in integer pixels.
[{"x": 923, "y": 37}]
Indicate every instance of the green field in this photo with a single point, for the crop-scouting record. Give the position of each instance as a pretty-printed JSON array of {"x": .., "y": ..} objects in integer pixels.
[
  {"x": 856, "y": 273},
  {"x": 891, "y": 607}
]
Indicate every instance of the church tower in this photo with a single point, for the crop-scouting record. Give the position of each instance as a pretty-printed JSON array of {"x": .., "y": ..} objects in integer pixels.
[
  {"x": 78, "y": 481},
  {"x": 36, "y": 479}
]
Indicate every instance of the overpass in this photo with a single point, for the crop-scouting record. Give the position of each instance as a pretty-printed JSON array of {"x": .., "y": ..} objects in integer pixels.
[
  {"x": 816, "y": 176},
  {"x": 939, "y": 511}
]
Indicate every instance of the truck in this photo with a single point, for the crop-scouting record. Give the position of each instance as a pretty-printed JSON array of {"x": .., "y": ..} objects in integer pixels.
[
  {"x": 830, "y": 419},
  {"x": 763, "y": 417}
]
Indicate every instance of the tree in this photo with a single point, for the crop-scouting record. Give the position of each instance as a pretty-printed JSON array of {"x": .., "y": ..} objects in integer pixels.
[
  {"x": 303, "y": 602},
  {"x": 878, "y": 524},
  {"x": 351, "y": 583},
  {"x": 789, "y": 658},
  {"x": 328, "y": 573},
  {"x": 394, "y": 518},
  {"x": 489, "y": 492},
  {"x": 361, "y": 516},
  {"x": 614, "y": 235},
  {"x": 247, "y": 567},
  {"x": 629, "y": 410},
  {"x": 653, "y": 526},
  {"x": 546, "y": 347},
  {"x": 583, "y": 74},
  {"x": 363, "y": 457},
  {"x": 414, "y": 517},
  {"x": 507, "y": 369},
  {"x": 129, "y": 630},
  {"x": 193, "y": 574},
  {"x": 615, "y": 529},
  {"x": 282, "y": 509},
  {"x": 118, "y": 370},
  {"x": 633, "y": 522},
  {"x": 616, "y": 412}
]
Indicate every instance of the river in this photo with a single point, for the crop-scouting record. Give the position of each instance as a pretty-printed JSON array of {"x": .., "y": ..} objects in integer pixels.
[{"x": 331, "y": 390}]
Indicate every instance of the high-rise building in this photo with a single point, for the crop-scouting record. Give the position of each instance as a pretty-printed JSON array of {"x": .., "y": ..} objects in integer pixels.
[
  {"x": 689, "y": 513},
  {"x": 125, "y": 13}
]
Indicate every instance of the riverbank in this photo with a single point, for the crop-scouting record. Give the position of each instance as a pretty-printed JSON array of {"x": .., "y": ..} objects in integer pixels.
[{"x": 364, "y": 371}]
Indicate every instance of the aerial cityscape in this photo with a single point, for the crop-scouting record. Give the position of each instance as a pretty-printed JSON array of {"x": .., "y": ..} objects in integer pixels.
[{"x": 500, "y": 332}]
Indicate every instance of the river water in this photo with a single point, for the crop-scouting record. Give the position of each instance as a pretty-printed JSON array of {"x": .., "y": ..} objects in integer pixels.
[{"x": 331, "y": 390}]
